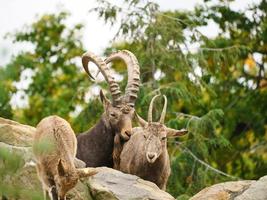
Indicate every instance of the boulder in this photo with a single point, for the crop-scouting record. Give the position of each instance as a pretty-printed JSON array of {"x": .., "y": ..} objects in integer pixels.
[
  {"x": 256, "y": 191},
  {"x": 235, "y": 190},
  {"x": 19, "y": 180},
  {"x": 14, "y": 133},
  {"x": 113, "y": 184}
]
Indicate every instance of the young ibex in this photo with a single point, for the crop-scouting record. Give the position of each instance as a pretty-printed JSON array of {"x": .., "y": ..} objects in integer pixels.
[
  {"x": 95, "y": 146},
  {"x": 145, "y": 154},
  {"x": 55, "y": 160}
]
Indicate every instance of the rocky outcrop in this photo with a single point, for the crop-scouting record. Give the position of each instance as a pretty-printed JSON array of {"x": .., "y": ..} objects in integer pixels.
[
  {"x": 257, "y": 191},
  {"x": 22, "y": 182},
  {"x": 15, "y": 133},
  {"x": 235, "y": 190},
  {"x": 113, "y": 184}
]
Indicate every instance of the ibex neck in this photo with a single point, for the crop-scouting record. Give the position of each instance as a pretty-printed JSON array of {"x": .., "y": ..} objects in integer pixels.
[{"x": 95, "y": 146}]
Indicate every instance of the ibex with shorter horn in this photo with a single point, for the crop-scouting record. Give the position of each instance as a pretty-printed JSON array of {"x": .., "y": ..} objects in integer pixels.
[
  {"x": 95, "y": 146},
  {"x": 55, "y": 160},
  {"x": 145, "y": 154}
]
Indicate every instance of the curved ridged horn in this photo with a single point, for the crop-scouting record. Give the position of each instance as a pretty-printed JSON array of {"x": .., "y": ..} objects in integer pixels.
[
  {"x": 133, "y": 83},
  {"x": 163, "y": 113},
  {"x": 150, "y": 110},
  {"x": 107, "y": 73}
]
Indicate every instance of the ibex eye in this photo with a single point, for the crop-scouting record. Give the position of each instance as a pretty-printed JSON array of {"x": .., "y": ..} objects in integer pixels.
[
  {"x": 112, "y": 114},
  {"x": 164, "y": 138}
]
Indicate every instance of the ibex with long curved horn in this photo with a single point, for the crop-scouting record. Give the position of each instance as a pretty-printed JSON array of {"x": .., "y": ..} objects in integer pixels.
[
  {"x": 145, "y": 154},
  {"x": 95, "y": 146}
]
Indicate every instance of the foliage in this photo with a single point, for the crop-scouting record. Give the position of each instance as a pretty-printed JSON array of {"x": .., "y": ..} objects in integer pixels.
[
  {"x": 216, "y": 87},
  {"x": 219, "y": 76},
  {"x": 5, "y": 94},
  {"x": 56, "y": 85},
  {"x": 10, "y": 165}
]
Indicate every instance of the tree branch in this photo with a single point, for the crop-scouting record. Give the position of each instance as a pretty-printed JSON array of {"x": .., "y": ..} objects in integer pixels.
[{"x": 185, "y": 149}]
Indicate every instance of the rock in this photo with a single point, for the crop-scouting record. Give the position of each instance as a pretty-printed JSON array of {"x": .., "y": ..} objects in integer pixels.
[
  {"x": 235, "y": 190},
  {"x": 21, "y": 181},
  {"x": 222, "y": 191},
  {"x": 14, "y": 133},
  {"x": 113, "y": 184},
  {"x": 257, "y": 191}
]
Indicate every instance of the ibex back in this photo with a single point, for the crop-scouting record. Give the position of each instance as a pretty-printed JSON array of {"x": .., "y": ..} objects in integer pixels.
[{"x": 54, "y": 148}]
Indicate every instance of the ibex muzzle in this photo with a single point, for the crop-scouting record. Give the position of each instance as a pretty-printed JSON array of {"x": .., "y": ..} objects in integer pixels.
[{"x": 125, "y": 125}]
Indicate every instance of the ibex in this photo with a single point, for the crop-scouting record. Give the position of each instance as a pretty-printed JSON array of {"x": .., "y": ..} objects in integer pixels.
[
  {"x": 95, "y": 146},
  {"x": 54, "y": 148},
  {"x": 145, "y": 154}
]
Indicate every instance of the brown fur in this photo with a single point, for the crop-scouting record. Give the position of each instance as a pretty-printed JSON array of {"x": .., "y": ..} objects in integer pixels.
[
  {"x": 118, "y": 145},
  {"x": 148, "y": 140},
  {"x": 96, "y": 147},
  {"x": 55, "y": 161}
]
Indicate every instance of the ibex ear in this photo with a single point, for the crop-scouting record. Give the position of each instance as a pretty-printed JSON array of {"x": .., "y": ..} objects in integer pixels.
[
  {"x": 60, "y": 168},
  {"x": 175, "y": 133},
  {"x": 140, "y": 120},
  {"x": 104, "y": 99},
  {"x": 85, "y": 172}
]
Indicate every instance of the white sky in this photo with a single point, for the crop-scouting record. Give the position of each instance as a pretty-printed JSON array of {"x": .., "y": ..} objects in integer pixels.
[{"x": 14, "y": 14}]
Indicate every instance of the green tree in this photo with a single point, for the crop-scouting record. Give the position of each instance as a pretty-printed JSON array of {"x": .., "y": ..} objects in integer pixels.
[
  {"x": 57, "y": 85},
  {"x": 201, "y": 84},
  {"x": 6, "y": 90},
  {"x": 242, "y": 85}
]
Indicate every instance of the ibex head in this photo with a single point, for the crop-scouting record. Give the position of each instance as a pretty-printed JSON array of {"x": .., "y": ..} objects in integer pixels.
[
  {"x": 67, "y": 176},
  {"x": 119, "y": 111},
  {"x": 156, "y": 133}
]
